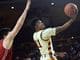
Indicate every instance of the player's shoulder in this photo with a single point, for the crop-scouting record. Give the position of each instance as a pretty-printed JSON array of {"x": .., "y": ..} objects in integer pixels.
[
  {"x": 36, "y": 35},
  {"x": 51, "y": 28}
]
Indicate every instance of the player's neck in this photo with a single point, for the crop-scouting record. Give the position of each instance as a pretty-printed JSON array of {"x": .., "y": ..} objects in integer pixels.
[{"x": 37, "y": 30}]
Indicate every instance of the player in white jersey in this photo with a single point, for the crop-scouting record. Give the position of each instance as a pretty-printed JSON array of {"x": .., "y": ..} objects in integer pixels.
[{"x": 42, "y": 37}]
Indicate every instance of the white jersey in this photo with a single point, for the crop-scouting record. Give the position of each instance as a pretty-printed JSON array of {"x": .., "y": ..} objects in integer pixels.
[{"x": 43, "y": 40}]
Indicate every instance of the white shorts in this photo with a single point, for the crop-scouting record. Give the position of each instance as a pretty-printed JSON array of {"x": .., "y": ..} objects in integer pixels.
[{"x": 47, "y": 57}]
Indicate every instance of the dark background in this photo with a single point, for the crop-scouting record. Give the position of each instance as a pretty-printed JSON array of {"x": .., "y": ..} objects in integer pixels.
[{"x": 52, "y": 15}]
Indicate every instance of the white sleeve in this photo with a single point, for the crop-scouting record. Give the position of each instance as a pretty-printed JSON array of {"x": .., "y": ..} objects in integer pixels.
[
  {"x": 47, "y": 33},
  {"x": 34, "y": 36}
]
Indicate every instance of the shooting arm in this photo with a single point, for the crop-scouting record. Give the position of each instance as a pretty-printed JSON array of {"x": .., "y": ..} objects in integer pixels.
[
  {"x": 47, "y": 33},
  {"x": 65, "y": 26}
]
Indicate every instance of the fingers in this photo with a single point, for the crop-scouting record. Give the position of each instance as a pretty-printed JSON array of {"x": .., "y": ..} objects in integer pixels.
[{"x": 28, "y": 4}]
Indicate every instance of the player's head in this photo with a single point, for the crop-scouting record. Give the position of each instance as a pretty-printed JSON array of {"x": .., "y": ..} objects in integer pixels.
[
  {"x": 37, "y": 24},
  {"x": 3, "y": 32}
]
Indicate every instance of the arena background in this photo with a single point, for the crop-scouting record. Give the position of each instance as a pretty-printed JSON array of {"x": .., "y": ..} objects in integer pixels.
[{"x": 51, "y": 12}]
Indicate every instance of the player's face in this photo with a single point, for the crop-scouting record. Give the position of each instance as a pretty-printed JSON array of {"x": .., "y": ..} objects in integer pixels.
[{"x": 40, "y": 25}]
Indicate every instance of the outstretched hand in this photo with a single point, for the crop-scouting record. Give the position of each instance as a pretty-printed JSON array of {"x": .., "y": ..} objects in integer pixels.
[{"x": 28, "y": 2}]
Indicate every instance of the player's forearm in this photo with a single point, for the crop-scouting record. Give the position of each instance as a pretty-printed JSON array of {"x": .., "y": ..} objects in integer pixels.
[
  {"x": 65, "y": 26},
  {"x": 21, "y": 19}
]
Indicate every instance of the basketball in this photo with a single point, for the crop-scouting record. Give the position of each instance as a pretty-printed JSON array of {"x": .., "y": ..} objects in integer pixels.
[{"x": 70, "y": 9}]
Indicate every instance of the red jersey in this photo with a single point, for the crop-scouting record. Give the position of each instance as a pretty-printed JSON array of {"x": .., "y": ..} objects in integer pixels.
[{"x": 2, "y": 52}]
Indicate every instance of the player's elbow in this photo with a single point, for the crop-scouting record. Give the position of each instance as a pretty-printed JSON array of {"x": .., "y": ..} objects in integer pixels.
[{"x": 7, "y": 44}]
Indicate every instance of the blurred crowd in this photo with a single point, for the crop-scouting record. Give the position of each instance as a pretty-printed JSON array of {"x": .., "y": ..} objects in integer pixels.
[{"x": 69, "y": 49}]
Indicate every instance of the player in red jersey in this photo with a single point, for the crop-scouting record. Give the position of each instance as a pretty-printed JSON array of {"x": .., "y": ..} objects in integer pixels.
[{"x": 7, "y": 37}]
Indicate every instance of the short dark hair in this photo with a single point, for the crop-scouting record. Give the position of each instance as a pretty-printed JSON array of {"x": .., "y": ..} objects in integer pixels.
[
  {"x": 34, "y": 21},
  {"x": 3, "y": 32}
]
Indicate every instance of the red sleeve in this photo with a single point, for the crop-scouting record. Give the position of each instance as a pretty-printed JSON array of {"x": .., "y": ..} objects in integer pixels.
[
  {"x": 1, "y": 50},
  {"x": 9, "y": 56}
]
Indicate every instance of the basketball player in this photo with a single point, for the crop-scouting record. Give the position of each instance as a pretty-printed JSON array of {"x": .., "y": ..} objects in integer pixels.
[
  {"x": 42, "y": 37},
  {"x": 7, "y": 37}
]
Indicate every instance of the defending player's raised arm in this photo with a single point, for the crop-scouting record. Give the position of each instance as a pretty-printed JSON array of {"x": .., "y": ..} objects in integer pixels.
[
  {"x": 8, "y": 40},
  {"x": 21, "y": 19}
]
